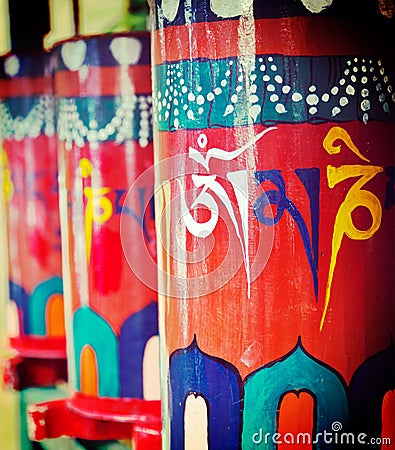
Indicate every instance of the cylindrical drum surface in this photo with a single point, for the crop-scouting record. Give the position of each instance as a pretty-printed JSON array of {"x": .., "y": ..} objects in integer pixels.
[
  {"x": 103, "y": 94},
  {"x": 29, "y": 156},
  {"x": 275, "y": 217}
]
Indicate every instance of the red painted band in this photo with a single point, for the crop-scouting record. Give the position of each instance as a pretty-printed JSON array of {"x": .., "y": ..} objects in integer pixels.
[
  {"x": 101, "y": 81},
  {"x": 19, "y": 87},
  {"x": 286, "y": 36}
]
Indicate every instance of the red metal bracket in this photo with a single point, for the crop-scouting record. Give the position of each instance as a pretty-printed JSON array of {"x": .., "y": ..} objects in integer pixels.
[
  {"x": 49, "y": 347},
  {"x": 22, "y": 373},
  {"x": 135, "y": 419},
  {"x": 39, "y": 362}
]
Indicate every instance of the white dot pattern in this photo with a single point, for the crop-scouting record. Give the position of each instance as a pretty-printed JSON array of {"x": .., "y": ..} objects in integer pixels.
[{"x": 270, "y": 84}]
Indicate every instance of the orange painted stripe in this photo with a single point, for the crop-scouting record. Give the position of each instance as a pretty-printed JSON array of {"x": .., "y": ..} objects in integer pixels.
[
  {"x": 25, "y": 86},
  {"x": 88, "y": 369},
  {"x": 296, "y": 416},
  {"x": 293, "y": 36},
  {"x": 55, "y": 316},
  {"x": 388, "y": 418},
  {"x": 101, "y": 81}
]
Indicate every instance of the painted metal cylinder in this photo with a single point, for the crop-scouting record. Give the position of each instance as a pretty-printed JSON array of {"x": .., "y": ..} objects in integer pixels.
[
  {"x": 103, "y": 95},
  {"x": 27, "y": 117},
  {"x": 274, "y": 147}
]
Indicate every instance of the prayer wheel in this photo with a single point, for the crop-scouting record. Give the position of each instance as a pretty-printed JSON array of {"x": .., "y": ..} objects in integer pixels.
[
  {"x": 274, "y": 152},
  {"x": 103, "y": 95},
  {"x": 29, "y": 158}
]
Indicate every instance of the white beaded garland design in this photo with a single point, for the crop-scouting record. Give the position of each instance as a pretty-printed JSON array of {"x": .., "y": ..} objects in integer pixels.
[
  {"x": 72, "y": 129},
  {"x": 39, "y": 119}
]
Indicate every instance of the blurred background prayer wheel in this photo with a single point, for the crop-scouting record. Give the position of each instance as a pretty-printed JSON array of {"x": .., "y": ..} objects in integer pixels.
[
  {"x": 274, "y": 148},
  {"x": 103, "y": 94},
  {"x": 29, "y": 158}
]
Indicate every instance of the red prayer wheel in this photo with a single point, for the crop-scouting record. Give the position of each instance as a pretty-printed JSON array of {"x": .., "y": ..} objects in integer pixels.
[
  {"x": 27, "y": 116},
  {"x": 103, "y": 95},
  {"x": 274, "y": 150}
]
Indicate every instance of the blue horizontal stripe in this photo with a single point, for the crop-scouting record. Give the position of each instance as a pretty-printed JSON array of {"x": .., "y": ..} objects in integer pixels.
[
  {"x": 33, "y": 65},
  {"x": 20, "y": 106},
  {"x": 98, "y": 51},
  {"x": 192, "y": 11}
]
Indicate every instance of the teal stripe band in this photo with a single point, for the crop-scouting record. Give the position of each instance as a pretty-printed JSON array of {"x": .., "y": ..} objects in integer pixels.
[{"x": 273, "y": 89}]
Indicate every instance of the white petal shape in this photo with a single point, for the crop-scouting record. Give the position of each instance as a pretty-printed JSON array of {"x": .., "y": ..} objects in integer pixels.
[
  {"x": 11, "y": 65},
  {"x": 229, "y": 109},
  {"x": 126, "y": 50},
  {"x": 254, "y": 111},
  {"x": 230, "y": 8},
  {"x": 170, "y": 8},
  {"x": 316, "y": 6},
  {"x": 335, "y": 111},
  {"x": 73, "y": 54},
  {"x": 296, "y": 97},
  {"x": 280, "y": 108}
]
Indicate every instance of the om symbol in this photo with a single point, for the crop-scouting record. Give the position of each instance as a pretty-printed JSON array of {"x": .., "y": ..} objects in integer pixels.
[{"x": 239, "y": 182}]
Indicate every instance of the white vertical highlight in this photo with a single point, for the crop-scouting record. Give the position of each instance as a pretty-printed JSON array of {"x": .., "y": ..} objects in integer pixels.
[{"x": 195, "y": 423}]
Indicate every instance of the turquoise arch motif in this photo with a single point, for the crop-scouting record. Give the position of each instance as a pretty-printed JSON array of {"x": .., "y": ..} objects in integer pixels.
[
  {"x": 37, "y": 305},
  {"x": 91, "y": 329},
  {"x": 297, "y": 371}
]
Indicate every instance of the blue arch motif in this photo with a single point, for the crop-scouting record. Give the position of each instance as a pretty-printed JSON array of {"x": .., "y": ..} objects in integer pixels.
[
  {"x": 91, "y": 329},
  {"x": 19, "y": 296},
  {"x": 219, "y": 383},
  {"x": 134, "y": 335},
  {"x": 297, "y": 371}
]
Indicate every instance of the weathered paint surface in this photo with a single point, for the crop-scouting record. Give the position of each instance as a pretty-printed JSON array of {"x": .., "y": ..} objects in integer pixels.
[
  {"x": 104, "y": 101},
  {"x": 282, "y": 120},
  {"x": 29, "y": 155}
]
